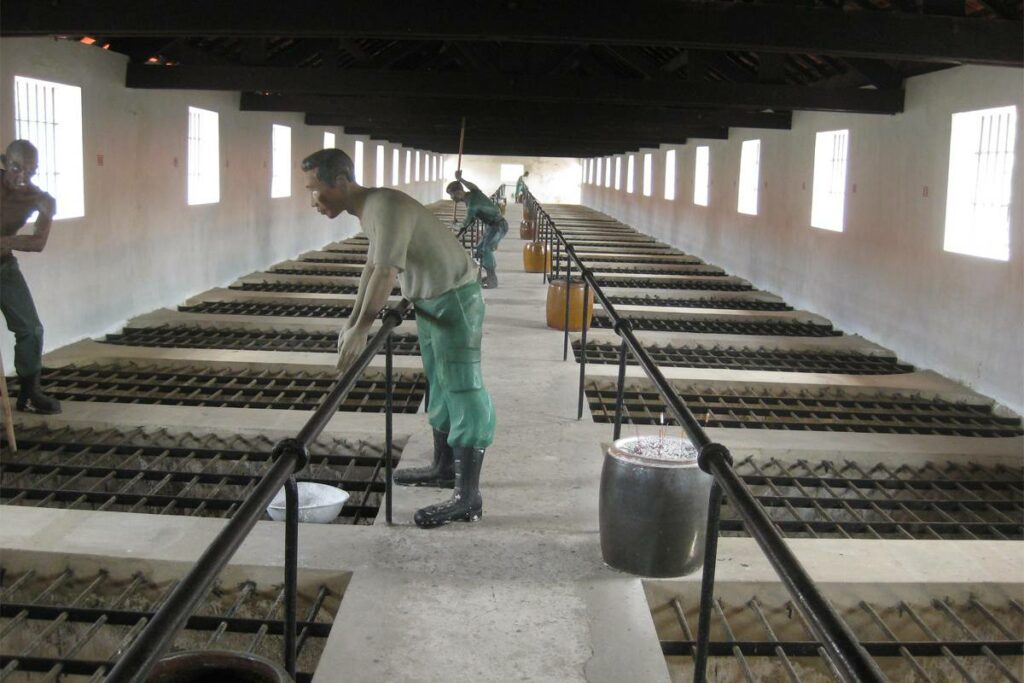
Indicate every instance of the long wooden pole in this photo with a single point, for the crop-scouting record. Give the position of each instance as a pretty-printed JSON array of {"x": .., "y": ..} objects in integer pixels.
[
  {"x": 5, "y": 399},
  {"x": 462, "y": 138}
]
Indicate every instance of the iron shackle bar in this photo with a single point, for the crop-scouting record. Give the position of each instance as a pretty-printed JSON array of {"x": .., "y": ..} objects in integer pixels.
[{"x": 292, "y": 453}]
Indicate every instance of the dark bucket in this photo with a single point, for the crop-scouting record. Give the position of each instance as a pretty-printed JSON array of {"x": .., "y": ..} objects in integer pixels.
[
  {"x": 216, "y": 666},
  {"x": 653, "y": 511}
]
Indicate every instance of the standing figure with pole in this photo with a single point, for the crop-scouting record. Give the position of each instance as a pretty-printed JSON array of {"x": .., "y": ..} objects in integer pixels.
[
  {"x": 408, "y": 242},
  {"x": 480, "y": 207}
]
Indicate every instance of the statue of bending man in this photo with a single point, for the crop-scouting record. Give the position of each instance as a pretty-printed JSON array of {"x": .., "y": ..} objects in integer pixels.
[{"x": 438, "y": 276}]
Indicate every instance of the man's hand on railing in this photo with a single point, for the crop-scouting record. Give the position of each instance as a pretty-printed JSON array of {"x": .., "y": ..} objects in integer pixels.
[{"x": 351, "y": 343}]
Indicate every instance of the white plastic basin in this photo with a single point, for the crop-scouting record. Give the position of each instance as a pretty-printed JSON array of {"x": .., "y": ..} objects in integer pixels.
[{"x": 318, "y": 503}]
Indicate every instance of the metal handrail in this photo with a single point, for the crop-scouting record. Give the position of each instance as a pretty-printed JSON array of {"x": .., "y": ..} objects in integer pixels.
[
  {"x": 291, "y": 456},
  {"x": 846, "y": 654}
]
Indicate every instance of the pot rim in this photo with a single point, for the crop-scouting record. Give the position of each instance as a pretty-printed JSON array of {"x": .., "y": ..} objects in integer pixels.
[{"x": 620, "y": 451}]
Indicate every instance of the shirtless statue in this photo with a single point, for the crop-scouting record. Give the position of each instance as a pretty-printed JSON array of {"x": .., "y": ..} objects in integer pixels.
[
  {"x": 439, "y": 277},
  {"x": 19, "y": 199}
]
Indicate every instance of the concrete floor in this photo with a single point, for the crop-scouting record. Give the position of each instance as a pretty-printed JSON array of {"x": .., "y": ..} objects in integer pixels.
[{"x": 522, "y": 594}]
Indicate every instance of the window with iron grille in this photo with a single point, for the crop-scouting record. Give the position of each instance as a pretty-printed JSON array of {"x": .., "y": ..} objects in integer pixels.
[
  {"x": 631, "y": 173},
  {"x": 408, "y": 166},
  {"x": 203, "y": 156},
  {"x": 49, "y": 115},
  {"x": 750, "y": 169},
  {"x": 379, "y": 169},
  {"x": 600, "y": 163},
  {"x": 608, "y": 172},
  {"x": 357, "y": 161},
  {"x": 648, "y": 174},
  {"x": 670, "y": 174},
  {"x": 329, "y": 140},
  {"x": 980, "y": 189},
  {"x": 281, "y": 166},
  {"x": 618, "y": 173},
  {"x": 701, "y": 176},
  {"x": 417, "y": 166},
  {"x": 828, "y": 192},
  {"x": 395, "y": 160}
]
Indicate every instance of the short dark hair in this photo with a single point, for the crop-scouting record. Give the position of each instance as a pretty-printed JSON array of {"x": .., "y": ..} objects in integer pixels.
[
  {"x": 453, "y": 186},
  {"x": 329, "y": 164},
  {"x": 21, "y": 148}
]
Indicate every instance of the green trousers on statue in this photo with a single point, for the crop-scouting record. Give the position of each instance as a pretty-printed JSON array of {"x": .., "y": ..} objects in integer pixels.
[
  {"x": 20, "y": 313},
  {"x": 450, "y": 330},
  {"x": 493, "y": 234}
]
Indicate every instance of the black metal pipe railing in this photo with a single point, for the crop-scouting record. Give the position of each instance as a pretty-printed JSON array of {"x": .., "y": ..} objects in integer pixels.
[
  {"x": 845, "y": 653},
  {"x": 291, "y": 456}
]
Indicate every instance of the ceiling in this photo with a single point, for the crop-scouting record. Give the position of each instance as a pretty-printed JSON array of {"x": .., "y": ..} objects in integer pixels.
[{"x": 536, "y": 77}]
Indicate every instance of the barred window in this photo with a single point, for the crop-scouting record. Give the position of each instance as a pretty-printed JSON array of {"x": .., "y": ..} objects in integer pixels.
[
  {"x": 648, "y": 174},
  {"x": 702, "y": 176},
  {"x": 750, "y": 170},
  {"x": 203, "y": 156},
  {"x": 357, "y": 161},
  {"x": 828, "y": 195},
  {"x": 670, "y": 174},
  {"x": 49, "y": 115},
  {"x": 281, "y": 162},
  {"x": 379, "y": 167},
  {"x": 979, "y": 191}
]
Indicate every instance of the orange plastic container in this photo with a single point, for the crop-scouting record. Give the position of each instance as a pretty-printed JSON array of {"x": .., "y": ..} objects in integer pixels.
[
  {"x": 536, "y": 257},
  {"x": 556, "y": 304}
]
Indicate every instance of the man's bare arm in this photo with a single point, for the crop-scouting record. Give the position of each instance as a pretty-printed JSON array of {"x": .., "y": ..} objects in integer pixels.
[
  {"x": 357, "y": 307},
  {"x": 47, "y": 207},
  {"x": 353, "y": 340},
  {"x": 378, "y": 289}
]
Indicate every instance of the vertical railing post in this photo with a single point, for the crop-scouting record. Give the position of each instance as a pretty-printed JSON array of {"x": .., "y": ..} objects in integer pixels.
[
  {"x": 568, "y": 302},
  {"x": 583, "y": 345},
  {"x": 388, "y": 433},
  {"x": 707, "y": 584},
  {"x": 620, "y": 390},
  {"x": 291, "y": 570}
]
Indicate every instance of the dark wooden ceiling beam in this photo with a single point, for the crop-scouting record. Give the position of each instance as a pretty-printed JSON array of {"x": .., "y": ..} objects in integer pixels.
[
  {"x": 547, "y": 135},
  {"x": 598, "y": 91},
  {"x": 716, "y": 26},
  {"x": 517, "y": 147},
  {"x": 338, "y": 110}
]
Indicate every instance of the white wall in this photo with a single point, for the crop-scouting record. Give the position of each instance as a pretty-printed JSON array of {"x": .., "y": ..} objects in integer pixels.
[
  {"x": 140, "y": 246},
  {"x": 553, "y": 180},
  {"x": 886, "y": 275}
]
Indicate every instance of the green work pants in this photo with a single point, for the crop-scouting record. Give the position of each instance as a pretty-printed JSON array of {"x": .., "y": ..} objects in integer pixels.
[
  {"x": 450, "y": 330},
  {"x": 20, "y": 313},
  {"x": 489, "y": 243}
]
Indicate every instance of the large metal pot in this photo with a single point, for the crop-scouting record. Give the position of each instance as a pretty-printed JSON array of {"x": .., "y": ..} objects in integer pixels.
[
  {"x": 216, "y": 666},
  {"x": 653, "y": 510}
]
